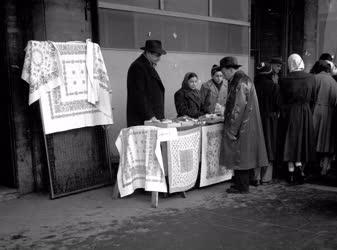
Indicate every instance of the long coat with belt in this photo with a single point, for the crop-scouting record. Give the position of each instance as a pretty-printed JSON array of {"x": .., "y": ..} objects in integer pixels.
[
  {"x": 243, "y": 145},
  {"x": 145, "y": 93},
  {"x": 267, "y": 94},
  {"x": 296, "y": 122},
  {"x": 325, "y": 102}
]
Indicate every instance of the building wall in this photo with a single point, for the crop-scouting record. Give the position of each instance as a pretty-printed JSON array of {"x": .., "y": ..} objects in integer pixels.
[{"x": 56, "y": 20}]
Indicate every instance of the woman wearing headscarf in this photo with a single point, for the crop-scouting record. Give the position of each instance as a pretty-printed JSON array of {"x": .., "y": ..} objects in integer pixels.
[
  {"x": 187, "y": 99},
  {"x": 214, "y": 92},
  {"x": 267, "y": 93},
  {"x": 325, "y": 103},
  {"x": 296, "y": 96}
]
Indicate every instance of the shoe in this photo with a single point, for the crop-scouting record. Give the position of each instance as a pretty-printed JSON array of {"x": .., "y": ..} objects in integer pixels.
[
  {"x": 254, "y": 183},
  {"x": 235, "y": 191},
  {"x": 291, "y": 179},
  {"x": 266, "y": 182}
]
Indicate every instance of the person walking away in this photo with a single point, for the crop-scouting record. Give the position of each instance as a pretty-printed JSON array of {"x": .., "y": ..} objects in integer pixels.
[
  {"x": 267, "y": 94},
  {"x": 325, "y": 103},
  {"x": 296, "y": 96},
  {"x": 243, "y": 146},
  {"x": 214, "y": 92},
  {"x": 145, "y": 90}
]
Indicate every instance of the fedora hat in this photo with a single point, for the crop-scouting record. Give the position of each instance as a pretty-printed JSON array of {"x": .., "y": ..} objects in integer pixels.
[
  {"x": 264, "y": 68},
  {"x": 229, "y": 62},
  {"x": 276, "y": 60},
  {"x": 154, "y": 46}
]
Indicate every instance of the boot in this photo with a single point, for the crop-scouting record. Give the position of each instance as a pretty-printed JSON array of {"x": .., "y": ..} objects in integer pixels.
[{"x": 291, "y": 178}]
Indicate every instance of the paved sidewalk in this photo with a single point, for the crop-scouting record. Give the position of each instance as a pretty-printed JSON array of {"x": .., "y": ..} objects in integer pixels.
[{"x": 270, "y": 217}]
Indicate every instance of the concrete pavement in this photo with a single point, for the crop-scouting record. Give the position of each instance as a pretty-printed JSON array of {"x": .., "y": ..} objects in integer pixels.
[{"x": 270, "y": 217}]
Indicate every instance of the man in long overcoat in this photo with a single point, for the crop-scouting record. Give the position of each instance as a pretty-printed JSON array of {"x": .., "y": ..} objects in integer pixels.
[
  {"x": 243, "y": 145},
  {"x": 145, "y": 90}
]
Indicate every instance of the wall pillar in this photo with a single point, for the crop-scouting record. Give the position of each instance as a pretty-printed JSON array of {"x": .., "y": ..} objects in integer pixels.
[{"x": 310, "y": 33}]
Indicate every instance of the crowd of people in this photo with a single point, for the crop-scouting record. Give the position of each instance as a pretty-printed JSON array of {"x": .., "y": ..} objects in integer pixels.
[{"x": 270, "y": 121}]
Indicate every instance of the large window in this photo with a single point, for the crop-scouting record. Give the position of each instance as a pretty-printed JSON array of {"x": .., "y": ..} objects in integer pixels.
[
  {"x": 180, "y": 25},
  {"x": 125, "y": 29}
]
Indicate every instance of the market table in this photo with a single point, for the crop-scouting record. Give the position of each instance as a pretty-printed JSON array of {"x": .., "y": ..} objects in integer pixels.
[{"x": 176, "y": 155}]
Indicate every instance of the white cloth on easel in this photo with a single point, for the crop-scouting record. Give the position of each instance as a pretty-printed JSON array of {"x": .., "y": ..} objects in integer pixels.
[
  {"x": 41, "y": 69},
  {"x": 65, "y": 105}
]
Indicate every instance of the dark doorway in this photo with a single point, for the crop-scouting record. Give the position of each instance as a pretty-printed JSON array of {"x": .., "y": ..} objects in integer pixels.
[{"x": 7, "y": 166}]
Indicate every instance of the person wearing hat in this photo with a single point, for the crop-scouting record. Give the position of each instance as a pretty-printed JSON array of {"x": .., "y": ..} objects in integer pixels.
[
  {"x": 214, "y": 92},
  {"x": 243, "y": 146},
  {"x": 276, "y": 66},
  {"x": 145, "y": 90},
  {"x": 267, "y": 93}
]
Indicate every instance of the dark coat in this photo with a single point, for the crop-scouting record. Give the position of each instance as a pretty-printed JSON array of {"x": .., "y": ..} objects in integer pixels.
[
  {"x": 188, "y": 102},
  {"x": 145, "y": 93},
  {"x": 243, "y": 145},
  {"x": 267, "y": 94},
  {"x": 325, "y": 103},
  {"x": 296, "y": 123}
]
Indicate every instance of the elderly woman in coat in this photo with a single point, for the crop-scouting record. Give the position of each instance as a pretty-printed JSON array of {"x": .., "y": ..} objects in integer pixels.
[
  {"x": 243, "y": 146},
  {"x": 187, "y": 99},
  {"x": 214, "y": 92},
  {"x": 325, "y": 103},
  {"x": 296, "y": 98}
]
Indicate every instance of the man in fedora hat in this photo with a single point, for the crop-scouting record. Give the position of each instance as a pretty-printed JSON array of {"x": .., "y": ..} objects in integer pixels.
[
  {"x": 243, "y": 146},
  {"x": 276, "y": 66},
  {"x": 145, "y": 90}
]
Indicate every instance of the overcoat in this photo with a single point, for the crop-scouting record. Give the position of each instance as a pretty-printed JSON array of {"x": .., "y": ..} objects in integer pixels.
[
  {"x": 188, "y": 102},
  {"x": 325, "y": 102},
  {"x": 211, "y": 94},
  {"x": 296, "y": 122},
  {"x": 243, "y": 145},
  {"x": 267, "y": 94},
  {"x": 145, "y": 93}
]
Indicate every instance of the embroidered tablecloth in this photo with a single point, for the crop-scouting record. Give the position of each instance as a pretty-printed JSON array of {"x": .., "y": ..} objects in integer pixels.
[
  {"x": 141, "y": 163},
  {"x": 183, "y": 160},
  {"x": 72, "y": 103},
  {"x": 41, "y": 69},
  {"x": 211, "y": 172}
]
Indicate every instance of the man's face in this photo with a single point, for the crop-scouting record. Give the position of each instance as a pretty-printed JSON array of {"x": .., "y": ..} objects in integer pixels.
[
  {"x": 228, "y": 73},
  {"x": 153, "y": 57},
  {"x": 276, "y": 68}
]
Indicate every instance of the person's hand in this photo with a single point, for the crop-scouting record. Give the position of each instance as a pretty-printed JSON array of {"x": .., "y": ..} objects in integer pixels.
[
  {"x": 219, "y": 109},
  {"x": 154, "y": 119},
  {"x": 231, "y": 136}
]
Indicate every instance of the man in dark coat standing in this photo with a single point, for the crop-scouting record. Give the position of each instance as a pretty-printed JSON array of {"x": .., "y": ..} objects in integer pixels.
[
  {"x": 243, "y": 146},
  {"x": 145, "y": 90}
]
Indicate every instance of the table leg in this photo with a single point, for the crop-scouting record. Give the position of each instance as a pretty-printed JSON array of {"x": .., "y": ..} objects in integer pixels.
[
  {"x": 154, "y": 199},
  {"x": 115, "y": 191}
]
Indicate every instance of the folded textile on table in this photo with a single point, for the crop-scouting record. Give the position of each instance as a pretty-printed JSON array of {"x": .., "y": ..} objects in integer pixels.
[
  {"x": 141, "y": 163},
  {"x": 211, "y": 171},
  {"x": 183, "y": 160}
]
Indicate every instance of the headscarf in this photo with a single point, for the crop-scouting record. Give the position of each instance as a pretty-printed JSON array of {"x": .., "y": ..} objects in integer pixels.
[
  {"x": 188, "y": 75},
  {"x": 295, "y": 63}
]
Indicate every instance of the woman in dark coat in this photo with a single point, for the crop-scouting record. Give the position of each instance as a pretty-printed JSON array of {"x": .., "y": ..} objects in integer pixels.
[
  {"x": 296, "y": 96},
  {"x": 267, "y": 93},
  {"x": 325, "y": 103},
  {"x": 187, "y": 99}
]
